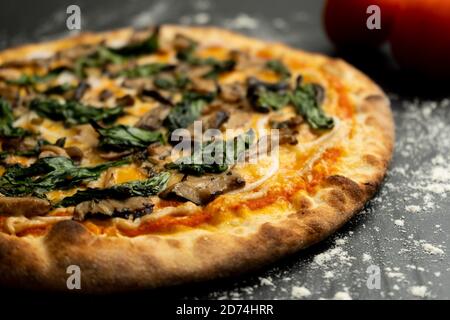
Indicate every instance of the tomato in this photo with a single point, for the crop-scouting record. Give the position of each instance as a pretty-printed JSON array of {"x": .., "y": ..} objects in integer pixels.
[
  {"x": 420, "y": 39},
  {"x": 346, "y": 22}
]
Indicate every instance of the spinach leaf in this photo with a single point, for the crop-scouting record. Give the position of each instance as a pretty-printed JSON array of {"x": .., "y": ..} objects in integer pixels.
[
  {"x": 179, "y": 81},
  {"x": 264, "y": 96},
  {"x": 272, "y": 100},
  {"x": 73, "y": 112},
  {"x": 279, "y": 68},
  {"x": 146, "y": 70},
  {"x": 142, "y": 188},
  {"x": 101, "y": 57},
  {"x": 183, "y": 114},
  {"x": 147, "y": 46},
  {"x": 7, "y": 129},
  {"x": 49, "y": 174},
  {"x": 123, "y": 137},
  {"x": 215, "y": 156},
  {"x": 306, "y": 101},
  {"x": 33, "y": 79},
  {"x": 217, "y": 67}
]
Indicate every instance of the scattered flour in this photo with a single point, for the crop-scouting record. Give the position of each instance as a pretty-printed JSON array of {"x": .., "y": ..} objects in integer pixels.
[
  {"x": 342, "y": 295},
  {"x": 300, "y": 292},
  {"x": 419, "y": 291},
  {"x": 431, "y": 249}
]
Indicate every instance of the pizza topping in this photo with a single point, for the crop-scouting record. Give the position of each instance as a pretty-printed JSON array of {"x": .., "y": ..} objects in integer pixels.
[
  {"x": 234, "y": 92},
  {"x": 144, "y": 188},
  {"x": 214, "y": 156},
  {"x": 24, "y": 206},
  {"x": 307, "y": 99},
  {"x": 202, "y": 190},
  {"x": 279, "y": 68},
  {"x": 49, "y": 174},
  {"x": 121, "y": 137},
  {"x": 73, "y": 112},
  {"x": 265, "y": 96},
  {"x": 153, "y": 119},
  {"x": 134, "y": 207},
  {"x": 7, "y": 129}
]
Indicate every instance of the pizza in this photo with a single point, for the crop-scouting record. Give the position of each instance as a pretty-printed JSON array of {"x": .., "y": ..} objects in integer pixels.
[{"x": 172, "y": 154}]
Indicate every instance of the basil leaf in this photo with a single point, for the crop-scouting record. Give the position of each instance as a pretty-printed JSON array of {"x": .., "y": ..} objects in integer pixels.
[
  {"x": 49, "y": 173},
  {"x": 7, "y": 129},
  {"x": 73, "y": 112},
  {"x": 264, "y": 96},
  {"x": 143, "y": 188},
  {"x": 147, "y": 46},
  {"x": 207, "y": 160},
  {"x": 279, "y": 68},
  {"x": 146, "y": 70},
  {"x": 123, "y": 137},
  {"x": 305, "y": 99}
]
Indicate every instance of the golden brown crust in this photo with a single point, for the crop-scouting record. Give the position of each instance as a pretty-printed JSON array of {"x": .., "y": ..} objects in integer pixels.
[{"x": 149, "y": 261}]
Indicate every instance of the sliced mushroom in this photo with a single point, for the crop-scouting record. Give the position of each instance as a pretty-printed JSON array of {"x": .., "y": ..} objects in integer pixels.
[
  {"x": 132, "y": 207},
  {"x": 158, "y": 151},
  {"x": 202, "y": 190},
  {"x": 202, "y": 85},
  {"x": 81, "y": 89},
  {"x": 287, "y": 130},
  {"x": 23, "y": 206},
  {"x": 232, "y": 92},
  {"x": 182, "y": 42},
  {"x": 113, "y": 155},
  {"x": 74, "y": 153},
  {"x": 215, "y": 120},
  {"x": 52, "y": 151},
  {"x": 153, "y": 119}
]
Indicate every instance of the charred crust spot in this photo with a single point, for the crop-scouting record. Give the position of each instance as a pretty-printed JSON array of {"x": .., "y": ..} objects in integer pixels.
[
  {"x": 67, "y": 231},
  {"x": 372, "y": 160},
  {"x": 349, "y": 187},
  {"x": 374, "y": 97},
  {"x": 336, "y": 199}
]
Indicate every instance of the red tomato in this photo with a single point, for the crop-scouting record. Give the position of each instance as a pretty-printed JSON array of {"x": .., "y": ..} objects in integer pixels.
[
  {"x": 420, "y": 38},
  {"x": 346, "y": 22}
]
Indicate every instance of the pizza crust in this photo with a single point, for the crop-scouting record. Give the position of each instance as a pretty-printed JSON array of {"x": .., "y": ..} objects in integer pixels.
[{"x": 149, "y": 261}]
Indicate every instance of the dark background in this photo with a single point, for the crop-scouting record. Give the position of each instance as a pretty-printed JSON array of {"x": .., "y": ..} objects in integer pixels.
[{"x": 403, "y": 230}]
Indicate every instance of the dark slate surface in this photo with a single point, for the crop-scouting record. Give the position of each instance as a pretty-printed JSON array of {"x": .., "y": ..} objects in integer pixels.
[{"x": 403, "y": 230}]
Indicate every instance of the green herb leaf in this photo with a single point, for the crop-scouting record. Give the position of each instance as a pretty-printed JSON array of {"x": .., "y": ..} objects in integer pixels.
[
  {"x": 31, "y": 80},
  {"x": 100, "y": 58},
  {"x": 183, "y": 114},
  {"x": 73, "y": 112},
  {"x": 49, "y": 173},
  {"x": 215, "y": 156},
  {"x": 142, "y": 188},
  {"x": 123, "y": 137},
  {"x": 179, "y": 81},
  {"x": 146, "y": 70},
  {"x": 264, "y": 96},
  {"x": 147, "y": 46},
  {"x": 279, "y": 68},
  {"x": 305, "y": 100},
  {"x": 274, "y": 100},
  {"x": 7, "y": 130}
]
